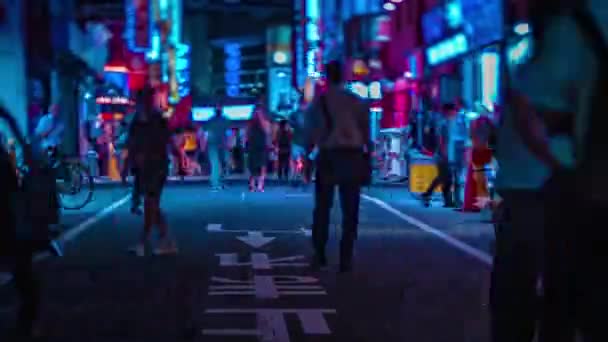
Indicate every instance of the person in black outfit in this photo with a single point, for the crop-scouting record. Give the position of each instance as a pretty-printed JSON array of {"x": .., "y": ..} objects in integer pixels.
[
  {"x": 284, "y": 142},
  {"x": 338, "y": 123}
]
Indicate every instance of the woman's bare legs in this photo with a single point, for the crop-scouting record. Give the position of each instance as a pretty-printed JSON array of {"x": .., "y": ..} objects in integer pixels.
[{"x": 261, "y": 178}]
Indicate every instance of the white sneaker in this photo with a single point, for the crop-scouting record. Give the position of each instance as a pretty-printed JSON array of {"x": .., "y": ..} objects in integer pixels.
[
  {"x": 139, "y": 250},
  {"x": 166, "y": 247}
]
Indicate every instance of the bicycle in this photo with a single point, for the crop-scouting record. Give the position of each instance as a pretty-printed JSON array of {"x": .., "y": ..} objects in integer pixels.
[{"x": 73, "y": 180}]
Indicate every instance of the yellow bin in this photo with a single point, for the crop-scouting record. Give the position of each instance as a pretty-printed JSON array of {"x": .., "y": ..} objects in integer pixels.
[{"x": 422, "y": 173}]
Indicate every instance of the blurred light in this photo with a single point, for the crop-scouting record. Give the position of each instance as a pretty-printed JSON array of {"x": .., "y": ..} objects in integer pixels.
[
  {"x": 87, "y": 95},
  {"x": 202, "y": 113},
  {"x": 408, "y": 74},
  {"x": 240, "y": 112},
  {"x": 281, "y": 74},
  {"x": 389, "y": 6},
  {"x": 397, "y": 1},
  {"x": 447, "y": 49},
  {"x": 279, "y": 57},
  {"x": 522, "y": 29},
  {"x": 489, "y": 79},
  {"x": 375, "y": 90},
  {"x": 110, "y": 68}
]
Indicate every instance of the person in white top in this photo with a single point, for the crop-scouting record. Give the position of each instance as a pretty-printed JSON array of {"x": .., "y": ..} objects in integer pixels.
[
  {"x": 565, "y": 85},
  {"x": 50, "y": 129}
]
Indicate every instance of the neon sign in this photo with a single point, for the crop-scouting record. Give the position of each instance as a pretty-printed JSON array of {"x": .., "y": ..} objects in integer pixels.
[
  {"x": 120, "y": 100},
  {"x": 138, "y": 25},
  {"x": 447, "y": 49},
  {"x": 202, "y": 113},
  {"x": 232, "y": 65},
  {"x": 240, "y": 112}
]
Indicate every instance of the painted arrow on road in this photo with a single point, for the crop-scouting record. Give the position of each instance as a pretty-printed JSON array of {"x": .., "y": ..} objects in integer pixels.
[{"x": 255, "y": 239}]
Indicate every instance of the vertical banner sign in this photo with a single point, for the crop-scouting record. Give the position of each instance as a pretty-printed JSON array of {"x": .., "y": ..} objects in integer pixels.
[
  {"x": 182, "y": 68},
  {"x": 138, "y": 24},
  {"x": 298, "y": 45},
  {"x": 233, "y": 68}
]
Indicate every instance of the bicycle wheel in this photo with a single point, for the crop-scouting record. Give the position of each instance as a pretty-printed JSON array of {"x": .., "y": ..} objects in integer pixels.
[{"x": 76, "y": 188}]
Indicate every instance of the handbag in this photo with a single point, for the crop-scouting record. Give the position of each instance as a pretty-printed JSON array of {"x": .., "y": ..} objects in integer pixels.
[{"x": 349, "y": 166}]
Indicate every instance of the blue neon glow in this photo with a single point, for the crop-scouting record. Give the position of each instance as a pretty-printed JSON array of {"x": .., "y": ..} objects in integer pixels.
[
  {"x": 489, "y": 78},
  {"x": 232, "y": 65},
  {"x": 131, "y": 21},
  {"x": 520, "y": 52},
  {"x": 240, "y": 112},
  {"x": 313, "y": 15},
  {"x": 202, "y": 113},
  {"x": 447, "y": 49}
]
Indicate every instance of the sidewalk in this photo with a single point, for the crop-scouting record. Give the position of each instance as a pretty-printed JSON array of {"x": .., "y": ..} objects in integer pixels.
[{"x": 471, "y": 228}]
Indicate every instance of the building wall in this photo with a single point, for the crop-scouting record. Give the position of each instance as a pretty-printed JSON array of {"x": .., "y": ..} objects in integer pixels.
[
  {"x": 13, "y": 88},
  {"x": 196, "y": 35}
]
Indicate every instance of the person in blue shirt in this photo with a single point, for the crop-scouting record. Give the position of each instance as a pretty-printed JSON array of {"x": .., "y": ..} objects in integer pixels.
[{"x": 448, "y": 156}]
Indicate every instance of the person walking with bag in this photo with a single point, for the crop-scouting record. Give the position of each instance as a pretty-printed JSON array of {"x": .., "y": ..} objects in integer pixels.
[{"x": 338, "y": 123}]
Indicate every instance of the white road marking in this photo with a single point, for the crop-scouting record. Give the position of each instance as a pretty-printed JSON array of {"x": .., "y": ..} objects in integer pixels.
[
  {"x": 469, "y": 250},
  {"x": 267, "y": 287},
  {"x": 73, "y": 233},
  {"x": 217, "y": 228},
  {"x": 255, "y": 239},
  {"x": 261, "y": 261},
  {"x": 271, "y": 325}
]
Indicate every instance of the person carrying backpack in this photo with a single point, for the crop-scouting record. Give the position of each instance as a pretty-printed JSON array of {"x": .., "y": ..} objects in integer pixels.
[{"x": 566, "y": 85}]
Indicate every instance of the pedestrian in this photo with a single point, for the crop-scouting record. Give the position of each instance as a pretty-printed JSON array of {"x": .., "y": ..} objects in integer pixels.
[
  {"x": 446, "y": 157},
  {"x": 338, "y": 124},
  {"x": 284, "y": 145},
  {"x": 566, "y": 89},
  {"x": 258, "y": 136},
  {"x": 215, "y": 150},
  {"x": 152, "y": 160}
]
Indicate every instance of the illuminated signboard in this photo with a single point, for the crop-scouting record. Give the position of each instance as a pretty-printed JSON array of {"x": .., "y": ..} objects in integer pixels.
[
  {"x": 138, "y": 24},
  {"x": 202, "y": 113},
  {"x": 375, "y": 90},
  {"x": 238, "y": 112},
  {"x": 119, "y": 100},
  {"x": 359, "y": 89},
  {"x": 232, "y": 65},
  {"x": 447, "y": 49}
]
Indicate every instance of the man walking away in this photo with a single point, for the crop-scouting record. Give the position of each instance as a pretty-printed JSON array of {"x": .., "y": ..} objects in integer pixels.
[
  {"x": 338, "y": 123},
  {"x": 446, "y": 157},
  {"x": 215, "y": 146},
  {"x": 568, "y": 88}
]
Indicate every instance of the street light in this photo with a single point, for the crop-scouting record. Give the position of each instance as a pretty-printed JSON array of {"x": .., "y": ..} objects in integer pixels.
[{"x": 389, "y": 6}]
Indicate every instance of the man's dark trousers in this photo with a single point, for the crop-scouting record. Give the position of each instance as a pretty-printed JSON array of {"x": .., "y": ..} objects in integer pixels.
[
  {"x": 136, "y": 191},
  {"x": 349, "y": 191},
  {"x": 514, "y": 303},
  {"x": 445, "y": 178}
]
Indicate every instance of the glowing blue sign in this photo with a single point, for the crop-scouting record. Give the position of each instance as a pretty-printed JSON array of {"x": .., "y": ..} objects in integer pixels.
[
  {"x": 202, "y": 113},
  {"x": 138, "y": 25},
  {"x": 239, "y": 112},
  {"x": 447, "y": 49},
  {"x": 233, "y": 66},
  {"x": 182, "y": 69}
]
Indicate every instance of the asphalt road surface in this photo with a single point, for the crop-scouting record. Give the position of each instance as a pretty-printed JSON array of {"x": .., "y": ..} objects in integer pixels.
[{"x": 241, "y": 275}]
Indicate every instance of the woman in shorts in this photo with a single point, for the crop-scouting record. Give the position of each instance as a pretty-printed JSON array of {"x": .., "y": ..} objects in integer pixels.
[{"x": 152, "y": 159}]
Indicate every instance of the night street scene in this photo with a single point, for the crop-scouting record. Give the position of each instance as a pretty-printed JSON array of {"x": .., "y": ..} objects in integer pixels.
[{"x": 303, "y": 170}]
